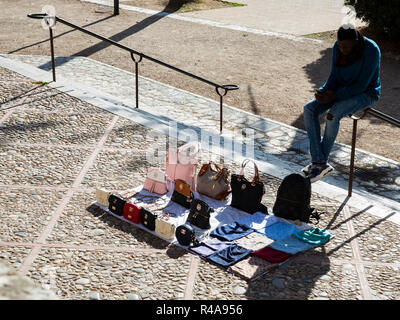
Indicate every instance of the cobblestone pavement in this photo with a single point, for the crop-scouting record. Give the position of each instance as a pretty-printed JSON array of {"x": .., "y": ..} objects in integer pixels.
[{"x": 56, "y": 149}]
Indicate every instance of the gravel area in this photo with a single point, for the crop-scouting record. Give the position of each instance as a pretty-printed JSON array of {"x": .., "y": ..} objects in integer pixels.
[
  {"x": 54, "y": 128},
  {"x": 14, "y": 256},
  {"x": 299, "y": 281},
  {"x": 377, "y": 238},
  {"x": 215, "y": 283},
  {"x": 84, "y": 224},
  {"x": 117, "y": 170},
  {"x": 24, "y": 213},
  {"x": 79, "y": 274},
  {"x": 384, "y": 282},
  {"x": 40, "y": 165}
]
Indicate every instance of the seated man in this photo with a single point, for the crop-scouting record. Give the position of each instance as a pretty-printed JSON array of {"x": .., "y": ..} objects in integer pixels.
[{"x": 353, "y": 85}]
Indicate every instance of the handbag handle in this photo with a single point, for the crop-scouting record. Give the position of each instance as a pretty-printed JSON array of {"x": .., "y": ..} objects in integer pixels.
[
  {"x": 218, "y": 169},
  {"x": 256, "y": 177},
  {"x": 194, "y": 144},
  {"x": 181, "y": 149}
]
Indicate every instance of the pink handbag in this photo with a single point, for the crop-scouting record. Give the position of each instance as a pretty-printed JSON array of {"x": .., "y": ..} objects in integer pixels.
[
  {"x": 182, "y": 163},
  {"x": 155, "y": 181}
]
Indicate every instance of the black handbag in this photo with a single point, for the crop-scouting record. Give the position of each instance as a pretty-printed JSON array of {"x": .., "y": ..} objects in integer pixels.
[
  {"x": 182, "y": 193},
  {"x": 116, "y": 204},
  {"x": 185, "y": 235},
  {"x": 148, "y": 219},
  {"x": 247, "y": 195},
  {"x": 199, "y": 214}
]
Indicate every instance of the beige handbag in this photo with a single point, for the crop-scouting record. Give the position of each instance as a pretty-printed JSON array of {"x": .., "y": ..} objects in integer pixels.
[
  {"x": 213, "y": 183},
  {"x": 102, "y": 196},
  {"x": 164, "y": 228}
]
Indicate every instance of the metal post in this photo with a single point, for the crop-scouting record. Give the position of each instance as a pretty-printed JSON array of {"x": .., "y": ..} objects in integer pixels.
[
  {"x": 353, "y": 151},
  {"x": 220, "y": 114},
  {"x": 53, "y": 65},
  {"x": 136, "y": 76},
  {"x": 116, "y": 7},
  {"x": 137, "y": 83}
]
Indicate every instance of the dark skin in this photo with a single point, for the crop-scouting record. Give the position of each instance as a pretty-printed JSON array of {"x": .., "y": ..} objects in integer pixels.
[{"x": 328, "y": 96}]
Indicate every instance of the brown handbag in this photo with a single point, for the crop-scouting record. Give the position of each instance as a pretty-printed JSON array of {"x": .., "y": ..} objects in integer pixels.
[
  {"x": 213, "y": 183},
  {"x": 182, "y": 193}
]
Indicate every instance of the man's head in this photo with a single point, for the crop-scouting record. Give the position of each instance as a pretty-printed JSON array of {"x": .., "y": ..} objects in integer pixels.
[{"x": 347, "y": 37}]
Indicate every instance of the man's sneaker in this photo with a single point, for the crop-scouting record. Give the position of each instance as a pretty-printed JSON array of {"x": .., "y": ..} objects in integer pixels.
[
  {"x": 306, "y": 170},
  {"x": 320, "y": 171}
]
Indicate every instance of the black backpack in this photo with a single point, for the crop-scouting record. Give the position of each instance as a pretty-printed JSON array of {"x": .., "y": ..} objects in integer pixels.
[{"x": 293, "y": 199}]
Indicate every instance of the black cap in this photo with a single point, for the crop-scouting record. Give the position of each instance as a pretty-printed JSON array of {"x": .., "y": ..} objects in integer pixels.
[{"x": 347, "y": 32}]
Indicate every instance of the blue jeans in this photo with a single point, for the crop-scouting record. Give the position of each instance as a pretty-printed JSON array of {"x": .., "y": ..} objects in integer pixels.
[{"x": 320, "y": 149}]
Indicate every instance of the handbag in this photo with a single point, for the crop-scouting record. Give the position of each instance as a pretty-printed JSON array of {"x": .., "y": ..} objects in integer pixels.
[
  {"x": 132, "y": 212},
  {"x": 247, "y": 195},
  {"x": 213, "y": 183},
  {"x": 102, "y": 196},
  {"x": 148, "y": 219},
  {"x": 164, "y": 228},
  {"x": 182, "y": 193},
  {"x": 182, "y": 164},
  {"x": 155, "y": 181},
  {"x": 116, "y": 205},
  {"x": 187, "y": 234},
  {"x": 199, "y": 214}
]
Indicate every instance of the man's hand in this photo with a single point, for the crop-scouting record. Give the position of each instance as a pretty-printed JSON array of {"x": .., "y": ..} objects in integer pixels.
[{"x": 325, "y": 96}]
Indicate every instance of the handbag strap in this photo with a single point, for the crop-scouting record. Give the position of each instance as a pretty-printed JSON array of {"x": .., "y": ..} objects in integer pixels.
[
  {"x": 192, "y": 155},
  {"x": 218, "y": 169},
  {"x": 194, "y": 144},
  {"x": 256, "y": 177}
]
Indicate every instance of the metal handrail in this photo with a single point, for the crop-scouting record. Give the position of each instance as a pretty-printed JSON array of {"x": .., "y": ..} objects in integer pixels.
[
  {"x": 221, "y": 90},
  {"x": 372, "y": 112}
]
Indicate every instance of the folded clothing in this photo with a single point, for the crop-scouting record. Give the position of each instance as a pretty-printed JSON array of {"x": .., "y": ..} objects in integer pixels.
[
  {"x": 313, "y": 236},
  {"x": 229, "y": 256},
  {"x": 271, "y": 255},
  {"x": 291, "y": 245},
  {"x": 280, "y": 230},
  {"x": 209, "y": 246},
  {"x": 230, "y": 232},
  {"x": 251, "y": 267},
  {"x": 258, "y": 221},
  {"x": 254, "y": 241}
]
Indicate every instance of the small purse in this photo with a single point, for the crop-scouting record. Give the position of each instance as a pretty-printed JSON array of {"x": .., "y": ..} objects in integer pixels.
[
  {"x": 116, "y": 205},
  {"x": 148, "y": 219},
  {"x": 247, "y": 195},
  {"x": 182, "y": 193},
  {"x": 155, "y": 181},
  {"x": 185, "y": 235},
  {"x": 102, "y": 196},
  {"x": 213, "y": 183},
  {"x": 199, "y": 214},
  {"x": 132, "y": 212},
  {"x": 164, "y": 228}
]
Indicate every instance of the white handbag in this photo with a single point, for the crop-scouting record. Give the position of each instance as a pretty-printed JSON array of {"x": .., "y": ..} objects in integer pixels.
[{"x": 102, "y": 196}]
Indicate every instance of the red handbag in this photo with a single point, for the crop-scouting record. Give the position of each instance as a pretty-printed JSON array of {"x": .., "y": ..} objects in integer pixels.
[{"x": 132, "y": 212}]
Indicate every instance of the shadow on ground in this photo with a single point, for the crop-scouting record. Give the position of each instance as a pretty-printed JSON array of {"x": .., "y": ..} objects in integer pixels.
[{"x": 171, "y": 7}]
